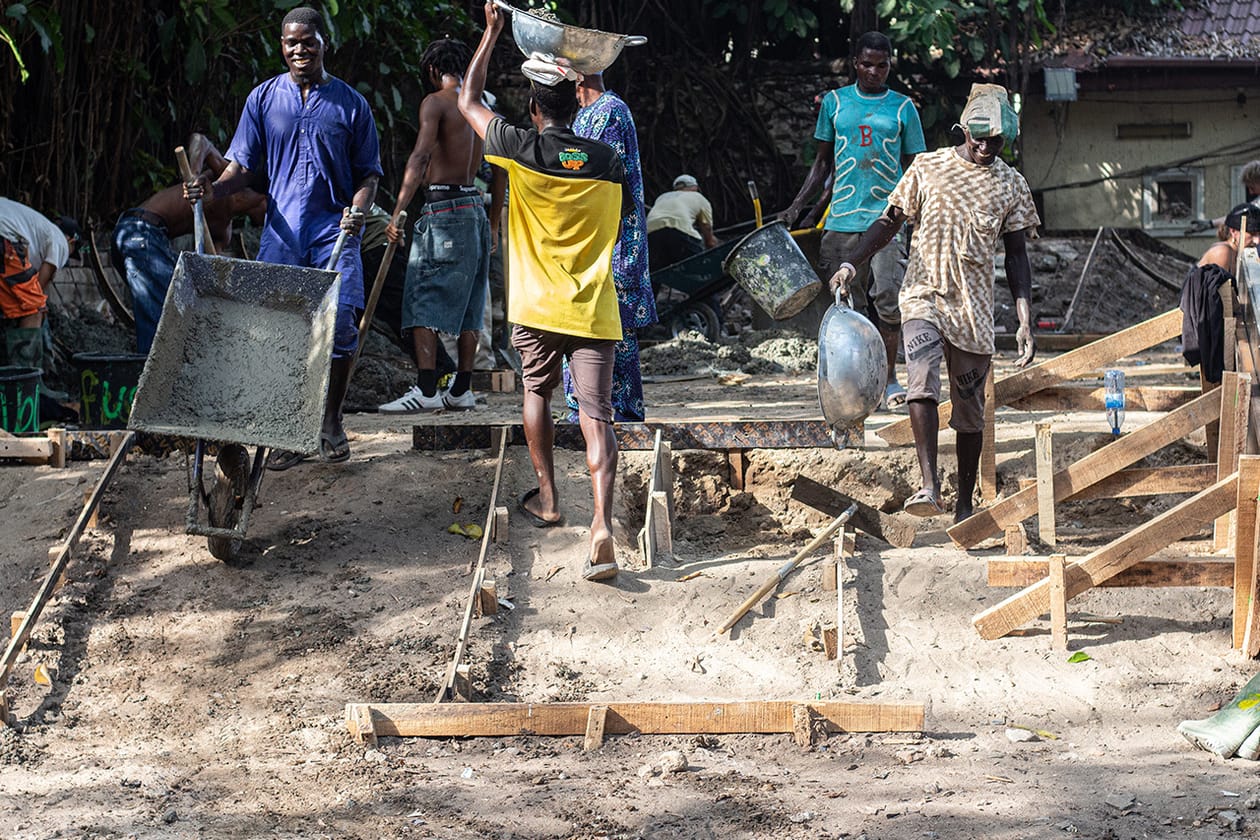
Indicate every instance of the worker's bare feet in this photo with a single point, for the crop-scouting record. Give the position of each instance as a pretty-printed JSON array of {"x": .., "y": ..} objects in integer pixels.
[
  {"x": 602, "y": 562},
  {"x": 962, "y": 510}
]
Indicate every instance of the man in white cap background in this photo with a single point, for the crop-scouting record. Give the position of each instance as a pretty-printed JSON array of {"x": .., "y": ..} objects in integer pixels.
[
  {"x": 680, "y": 224},
  {"x": 962, "y": 200}
]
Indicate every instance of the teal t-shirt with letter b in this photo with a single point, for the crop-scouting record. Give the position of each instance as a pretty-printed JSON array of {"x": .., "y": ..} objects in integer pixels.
[{"x": 870, "y": 133}]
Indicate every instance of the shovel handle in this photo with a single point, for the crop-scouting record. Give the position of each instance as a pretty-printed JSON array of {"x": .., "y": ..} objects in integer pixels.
[
  {"x": 756, "y": 200},
  {"x": 341, "y": 243},
  {"x": 365, "y": 323},
  {"x": 201, "y": 238}
]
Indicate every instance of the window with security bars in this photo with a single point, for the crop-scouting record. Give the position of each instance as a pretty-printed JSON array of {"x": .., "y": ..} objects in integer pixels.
[{"x": 1173, "y": 198}]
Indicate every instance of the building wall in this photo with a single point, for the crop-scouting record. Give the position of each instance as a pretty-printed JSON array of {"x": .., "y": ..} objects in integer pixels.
[{"x": 1066, "y": 142}]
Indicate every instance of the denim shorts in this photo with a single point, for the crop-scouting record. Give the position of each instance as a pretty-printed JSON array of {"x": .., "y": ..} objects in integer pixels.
[{"x": 448, "y": 274}]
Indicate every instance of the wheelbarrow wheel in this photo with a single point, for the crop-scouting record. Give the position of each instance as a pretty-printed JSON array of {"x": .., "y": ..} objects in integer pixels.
[
  {"x": 699, "y": 317},
  {"x": 231, "y": 479}
]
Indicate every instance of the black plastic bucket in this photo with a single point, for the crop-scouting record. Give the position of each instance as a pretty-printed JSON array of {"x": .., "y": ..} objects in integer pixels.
[
  {"x": 19, "y": 400},
  {"x": 107, "y": 386}
]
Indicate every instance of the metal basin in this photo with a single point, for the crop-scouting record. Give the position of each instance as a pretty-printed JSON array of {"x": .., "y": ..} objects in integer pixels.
[
  {"x": 589, "y": 50},
  {"x": 852, "y": 366}
]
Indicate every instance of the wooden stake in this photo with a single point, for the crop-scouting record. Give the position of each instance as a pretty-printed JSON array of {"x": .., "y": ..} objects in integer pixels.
[
  {"x": 737, "y": 459},
  {"x": 802, "y": 725},
  {"x": 595, "y": 721},
  {"x": 15, "y": 624},
  {"x": 462, "y": 689},
  {"x": 488, "y": 599},
  {"x": 359, "y": 718},
  {"x": 1016, "y": 540},
  {"x": 1045, "y": 482},
  {"x": 988, "y": 445},
  {"x": 1245, "y": 566},
  {"x": 92, "y": 522},
  {"x": 57, "y": 438},
  {"x": 1058, "y": 603},
  {"x": 500, "y": 526},
  {"x": 662, "y": 528},
  {"x": 1235, "y": 417}
]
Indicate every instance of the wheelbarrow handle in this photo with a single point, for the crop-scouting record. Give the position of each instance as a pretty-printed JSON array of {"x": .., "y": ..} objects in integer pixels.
[
  {"x": 341, "y": 243},
  {"x": 202, "y": 243}
]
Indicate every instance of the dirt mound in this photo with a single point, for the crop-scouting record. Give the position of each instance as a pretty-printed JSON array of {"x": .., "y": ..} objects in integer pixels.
[{"x": 753, "y": 352}]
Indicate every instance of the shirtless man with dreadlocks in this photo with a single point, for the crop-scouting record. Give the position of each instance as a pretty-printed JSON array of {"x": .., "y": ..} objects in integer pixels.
[{"x": 449, "y": 267}]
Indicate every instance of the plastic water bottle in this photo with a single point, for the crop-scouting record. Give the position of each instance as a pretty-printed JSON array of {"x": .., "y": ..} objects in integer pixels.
[{"x": 1113, "y": 381}]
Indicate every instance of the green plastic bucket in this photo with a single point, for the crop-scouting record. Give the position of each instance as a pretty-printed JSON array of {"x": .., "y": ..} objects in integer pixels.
[
  {"x": 19, "y": 400},
  {"x": 107, "y": 387},
  {"x": 772, "y": 268}
]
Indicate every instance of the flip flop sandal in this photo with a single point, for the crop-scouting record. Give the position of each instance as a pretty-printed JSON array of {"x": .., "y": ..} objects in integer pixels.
[
  {"x": 602, "y": 571},
  {"x": 894, "y": 397},
  {"x": 923, "y": 503},
  {"x": 533, "y": 518},
  {"x": 283, "y": 459},
  {"x": 334, "y": 450}
]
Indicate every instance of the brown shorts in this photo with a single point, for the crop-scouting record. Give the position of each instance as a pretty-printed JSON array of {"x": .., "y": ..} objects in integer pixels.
[
  {"x": 878, "y": 281},
  {"x": 925, "y": 348},
  {"x": 590, "y": 367},
  {"x": 22, "y": 299}
]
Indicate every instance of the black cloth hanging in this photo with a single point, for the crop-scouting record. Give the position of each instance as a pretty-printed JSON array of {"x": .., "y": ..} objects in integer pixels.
[{"x": 1203, "y": 319}]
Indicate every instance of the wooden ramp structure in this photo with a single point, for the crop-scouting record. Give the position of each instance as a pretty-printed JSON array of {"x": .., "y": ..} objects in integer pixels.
[{"x": 1222, "y": 496}]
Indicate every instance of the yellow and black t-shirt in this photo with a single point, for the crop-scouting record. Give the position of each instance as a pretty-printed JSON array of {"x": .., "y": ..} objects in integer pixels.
[{"x": 565, "y": 202}]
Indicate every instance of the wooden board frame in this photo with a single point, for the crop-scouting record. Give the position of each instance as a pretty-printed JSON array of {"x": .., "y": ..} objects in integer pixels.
[
  {"x": 483, "y": 720},
  {"x": 895, "y": 529},
  {"x": 1113, "y": 558}
]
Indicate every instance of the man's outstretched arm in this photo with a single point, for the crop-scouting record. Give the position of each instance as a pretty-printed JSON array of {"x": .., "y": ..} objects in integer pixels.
[
  {"x": 1019, "y": 280},
  {"x": 470, "y": 104}
]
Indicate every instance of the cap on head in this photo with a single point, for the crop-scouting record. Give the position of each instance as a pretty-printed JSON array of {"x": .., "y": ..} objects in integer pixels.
[
  {"x": 304, "y": 16},
  {"x": 683, "y": 181},
  {"x": 70, "y": 227},
  {"x": 988, "y": 113},
  {"x": 1250, "y": 212}
]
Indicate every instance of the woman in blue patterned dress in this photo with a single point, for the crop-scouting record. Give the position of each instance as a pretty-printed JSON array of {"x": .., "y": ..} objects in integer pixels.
[{"x": 604, "y": 116}]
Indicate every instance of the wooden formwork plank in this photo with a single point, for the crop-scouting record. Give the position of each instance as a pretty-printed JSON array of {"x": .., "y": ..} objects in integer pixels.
[
  {"x": 716, "y": 434},
  {"x": 1183, "y": 519},
  {"x": 1144, "y": 481},
  {"x": 45, "y": 592},
  {"x": 1060, "y": 369},
  {"x": 451, "y": 720},
  {"x": 1235, "y": 415},
  {"x": 1044, "y": 452},
  {"x": 1245, "y": 518},
  {"x": 1058, "y": 603},
  {"x": 1209, "y": 571},
  {"x": 1091, "y": 469},
  {"x": 20, "y": 447},
  {"x": 1091, "y": 398},
  {"x": 988, "y": 443},
  {"x": 894, "y": 529}
]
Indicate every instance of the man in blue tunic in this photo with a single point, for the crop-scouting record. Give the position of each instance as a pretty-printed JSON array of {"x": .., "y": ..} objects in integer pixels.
[
  {"x": 867, "y": 135},
  {"x": 310, "y": 138}
]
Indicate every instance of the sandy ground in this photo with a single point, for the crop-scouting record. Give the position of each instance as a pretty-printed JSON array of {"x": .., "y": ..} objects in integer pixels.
[{"x": 190, "y": 698}]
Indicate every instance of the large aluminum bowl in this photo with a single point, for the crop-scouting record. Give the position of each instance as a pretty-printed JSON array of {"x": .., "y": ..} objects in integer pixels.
[{"x": 589, "y": 50}]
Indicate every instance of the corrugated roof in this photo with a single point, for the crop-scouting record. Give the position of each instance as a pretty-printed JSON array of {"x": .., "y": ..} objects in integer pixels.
[{"x": 1208, "y": 29}]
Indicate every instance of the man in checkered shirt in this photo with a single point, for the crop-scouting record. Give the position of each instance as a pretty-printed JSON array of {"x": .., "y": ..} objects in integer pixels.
[{"x": 962, "y": 201}]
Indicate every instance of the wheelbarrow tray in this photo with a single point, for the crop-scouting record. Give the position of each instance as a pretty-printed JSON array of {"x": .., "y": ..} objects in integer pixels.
[
  {"x": 241, "y": 354},
  {"x": 695, "y": 272}
]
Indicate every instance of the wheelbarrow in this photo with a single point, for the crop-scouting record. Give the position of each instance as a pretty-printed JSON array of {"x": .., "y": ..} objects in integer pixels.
[
  {"x": 698, "y": 278},
  {"x": 241, "y": 357}
]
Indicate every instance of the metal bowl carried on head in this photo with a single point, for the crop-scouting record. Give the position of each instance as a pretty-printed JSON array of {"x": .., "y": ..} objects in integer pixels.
[{"x": 588, "y": 50}]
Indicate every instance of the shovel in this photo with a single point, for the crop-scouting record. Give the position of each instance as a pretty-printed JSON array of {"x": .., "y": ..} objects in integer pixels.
[
  {"x": 201, "y": 233},
  {"x": 365, "y": 323}
]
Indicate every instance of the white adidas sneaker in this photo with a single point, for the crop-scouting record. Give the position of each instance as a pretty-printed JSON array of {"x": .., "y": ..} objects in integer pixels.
[
  {"x": 413, "y": 402},
  {"x": 464, "y": 402}
]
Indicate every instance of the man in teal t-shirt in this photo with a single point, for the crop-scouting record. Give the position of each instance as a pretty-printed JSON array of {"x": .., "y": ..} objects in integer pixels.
[{"x": 866, "y": 136}]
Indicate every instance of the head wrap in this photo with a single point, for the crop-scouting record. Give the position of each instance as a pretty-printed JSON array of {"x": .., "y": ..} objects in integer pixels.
[
  {"x": 988, "y": 113},
  {"x": 548, "y": 69},
  {"x": 685, "y": 181}
]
